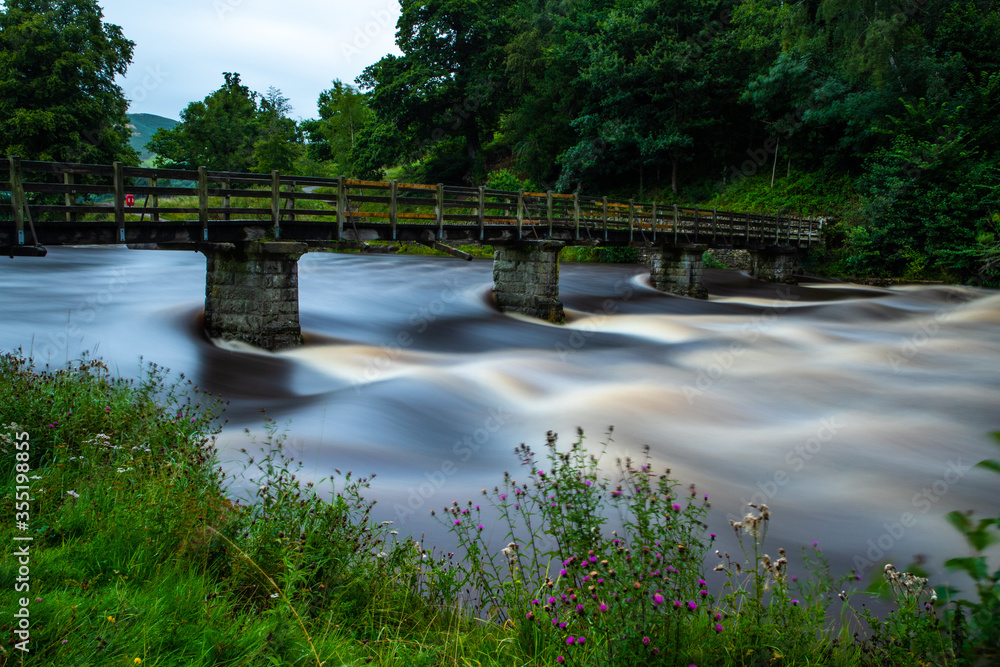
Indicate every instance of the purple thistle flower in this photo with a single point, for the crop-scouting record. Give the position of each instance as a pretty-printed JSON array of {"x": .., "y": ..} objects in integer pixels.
[
  {"x": 718, "y": 628},
  {"x": 560, "y": 660},
  {"x": 657, "y": 599},
  {"x": 693, "y": 606},
  {"x": 570, "y": 639},
  {"x": 645, "y": 640},
  {"x": 603, "y": 607}
]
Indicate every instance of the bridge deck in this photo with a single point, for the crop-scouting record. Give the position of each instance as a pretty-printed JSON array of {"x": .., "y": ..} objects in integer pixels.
[{"x": 73, "y": 204}]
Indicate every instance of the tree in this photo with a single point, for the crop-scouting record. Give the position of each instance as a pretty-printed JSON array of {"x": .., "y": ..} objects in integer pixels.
[
  {"x": 279, "y": 143},
  {"x": 218, "y": 133},
  {"x": 343, "y": 114},
  {"x": 447, "y": 83},
  {"x": 58, "y": 97}
]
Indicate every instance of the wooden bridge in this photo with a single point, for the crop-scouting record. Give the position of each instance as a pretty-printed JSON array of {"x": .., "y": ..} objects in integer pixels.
[{"x": 254, "y": 227}]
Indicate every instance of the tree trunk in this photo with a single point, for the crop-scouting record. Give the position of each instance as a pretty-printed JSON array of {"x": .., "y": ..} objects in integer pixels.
[{"x": 673, "y": 174}]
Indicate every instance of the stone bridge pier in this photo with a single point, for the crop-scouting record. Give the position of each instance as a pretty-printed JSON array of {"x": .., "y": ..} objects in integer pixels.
[
  {"x": 776, "y": 264},
  {"x": 252, "y": 292},
  {"x": 526, "y": 279},
  {"x": 677, "y": 269}
]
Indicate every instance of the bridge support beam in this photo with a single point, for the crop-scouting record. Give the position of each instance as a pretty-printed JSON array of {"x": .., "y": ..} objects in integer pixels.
[
  {"x": 252, "y": 293},
  {"x": 775, "y": 264},
  {"x": 526, "y": 279},
  {"x": 677, "y": 269}
]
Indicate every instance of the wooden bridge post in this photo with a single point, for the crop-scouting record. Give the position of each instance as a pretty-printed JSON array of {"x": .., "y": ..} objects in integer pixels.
[
  {"x": 631, "y": 218},
  {"x": 715, "y": 223},
  {"x": 276, "y": 203},
  {"x": 203, "y": 201},
  {"x": 225, "y": 198},
  {"x": 481, "y": 212},
  {"x": 810, "y": 241},
  {"x": 341, "y": 206},
  {"x": 439, "y": 210},
  {"x": 746, "y": 240},
  {"x": 156, "y": 201},
  {"x": 697, "y": 220},
  {"x": 119, "y": 183},
  {"x": 548, "y": 210},
  {"x": 393, "y": 210},
  {"x": 654, "y": 220},
  {"x": 677, "y": 217},
  {"x": 604, "y": 216},
  {"x": 576, "y": 215},
  {"x": 520, "y": 212},
  {"x": 17, "y": 199},
  {"x": 70, "y": 197}
]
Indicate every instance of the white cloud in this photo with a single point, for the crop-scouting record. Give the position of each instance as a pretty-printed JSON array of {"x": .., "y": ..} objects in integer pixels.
[{"x": 299, "y": 46}]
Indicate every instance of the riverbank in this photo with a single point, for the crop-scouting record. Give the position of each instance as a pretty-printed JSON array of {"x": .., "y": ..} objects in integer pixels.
[{"x": 141, "y": 554}]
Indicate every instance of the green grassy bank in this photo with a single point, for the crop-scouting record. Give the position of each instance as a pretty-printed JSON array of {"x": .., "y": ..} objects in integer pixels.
[{"x": 142, "y": 551}]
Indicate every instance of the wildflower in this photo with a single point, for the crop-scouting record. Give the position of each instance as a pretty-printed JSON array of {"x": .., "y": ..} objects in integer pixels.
[
  {"x": 718, "y": 628},
  {"x": 562, "y": 573},
  {"x": 111, "y": 619},
  {"x": 65, "y": 641},
  {"x": 795, "y": 603},
  {"x": 457, "y": 522},
  {"x": 657, "y": 599},
  {"x": 570, "y": 639},
  {"x": 560, "y": 660},
  {"x": 645, "y": 640},
  {"x": 274, "y": 595},
  {"x": 580, "y": 640},
  {"x": 693, "y": 606},
  {"x": 677, "y": 508},
  {"x": 603, "y": 607},
  {"x": 138, "y": 661},
  {"x": 73, "y": 493},
  {"x": 479, "y": 527},
  {"x": 703, "y": 593}
]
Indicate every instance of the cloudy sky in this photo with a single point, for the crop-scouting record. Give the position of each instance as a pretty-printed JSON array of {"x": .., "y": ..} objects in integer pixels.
[{"x": 182, "y": 47}]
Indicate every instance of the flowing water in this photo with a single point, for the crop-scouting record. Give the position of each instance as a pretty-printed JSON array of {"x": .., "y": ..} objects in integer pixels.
[{"x": 854, "y": 412}]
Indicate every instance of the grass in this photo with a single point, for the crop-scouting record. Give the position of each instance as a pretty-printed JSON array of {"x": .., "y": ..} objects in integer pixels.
[{"x": 145, "y": 552}]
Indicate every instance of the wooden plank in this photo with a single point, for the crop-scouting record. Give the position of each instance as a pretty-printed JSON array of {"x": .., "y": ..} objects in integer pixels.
[
  {"x": 439, "y": 209},
  {"x": 382, "y": 185},
  {"x": 416, "y": 186},
  {"x": 70, "y": 194},
  {"x": 341, "y": 206}
]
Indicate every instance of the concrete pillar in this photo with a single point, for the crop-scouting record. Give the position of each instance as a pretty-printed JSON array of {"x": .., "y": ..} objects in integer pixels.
[
  {"x": 678, "y": 269},
  {"x": 774, "y": 264},
  {"x": 526, "y": 279},
  {"x": 252, "y": 293}
]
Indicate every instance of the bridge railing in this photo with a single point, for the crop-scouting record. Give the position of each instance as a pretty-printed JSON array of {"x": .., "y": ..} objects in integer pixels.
[{"x": 115, "y": 200}]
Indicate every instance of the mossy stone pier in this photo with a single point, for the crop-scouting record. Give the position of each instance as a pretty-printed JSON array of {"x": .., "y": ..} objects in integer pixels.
[
  {"x": 677, "y": 269},
  {"x": 776, "y": 264},
  {"x": 526, "y": 279},
  {"x": 252, "y": 293}
]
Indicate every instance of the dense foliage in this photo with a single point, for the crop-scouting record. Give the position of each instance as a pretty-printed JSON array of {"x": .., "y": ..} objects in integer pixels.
[{"x": 58, "y": 96}]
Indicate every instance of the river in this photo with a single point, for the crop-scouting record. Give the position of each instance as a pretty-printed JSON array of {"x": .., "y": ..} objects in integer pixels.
[{"x": 854, "y": 412}]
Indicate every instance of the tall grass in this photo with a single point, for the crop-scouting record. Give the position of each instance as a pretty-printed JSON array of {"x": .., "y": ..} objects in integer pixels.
[{"x": 145, "y": 551}]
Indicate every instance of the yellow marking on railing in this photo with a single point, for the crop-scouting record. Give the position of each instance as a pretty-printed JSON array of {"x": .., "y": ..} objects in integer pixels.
[{"x": 416, "y": 186}]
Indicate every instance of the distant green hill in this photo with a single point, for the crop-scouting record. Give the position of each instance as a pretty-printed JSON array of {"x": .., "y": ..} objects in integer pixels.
[{"x": 143, "y": 127}]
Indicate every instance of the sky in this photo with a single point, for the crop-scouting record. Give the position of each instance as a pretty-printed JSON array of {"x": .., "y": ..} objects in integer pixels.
[{"x": 182, "y": 47}]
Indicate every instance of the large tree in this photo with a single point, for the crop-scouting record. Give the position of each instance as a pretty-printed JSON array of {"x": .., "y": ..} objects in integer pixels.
[
  {"x": 58, "y": 97},
  {"x": 447, "y": 84},
  {"x": 218, "y": 133}
]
